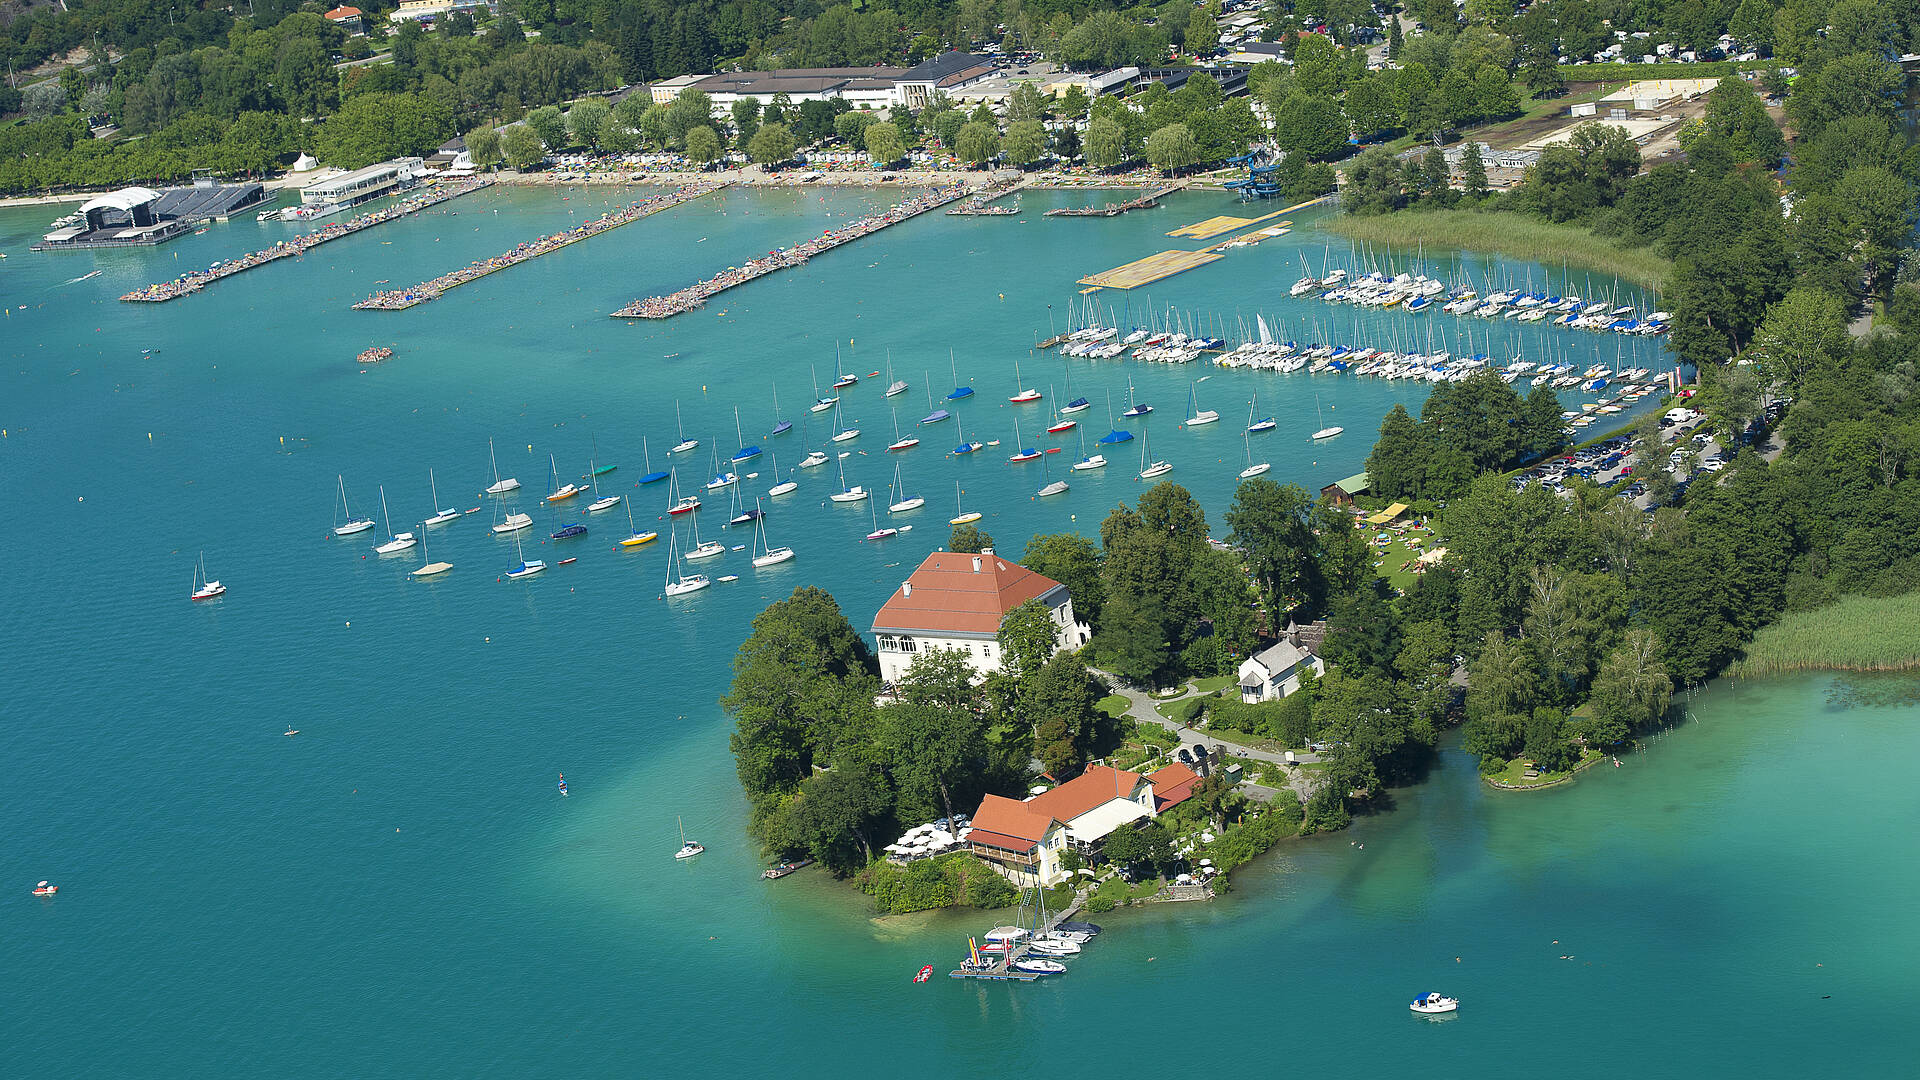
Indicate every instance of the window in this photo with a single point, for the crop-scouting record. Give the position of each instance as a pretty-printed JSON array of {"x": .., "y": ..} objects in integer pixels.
[
  {"x": 907, "y": 645},
  {"x": 887, "y": 643}
]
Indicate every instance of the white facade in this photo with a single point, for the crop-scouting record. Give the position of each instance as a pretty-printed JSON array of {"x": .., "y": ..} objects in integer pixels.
[
  {"x": 897, "y": 648},
  {"x": 1276, "y": 672}
]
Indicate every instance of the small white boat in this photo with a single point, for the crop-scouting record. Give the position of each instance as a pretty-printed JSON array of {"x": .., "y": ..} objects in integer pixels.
[
  {"x": 204, "y": 589},
  {"x": 352, "y": 524},
  {"x": 814, "y": 459},
  {"x": 1038, "y": 966},
  {"x": 1158, "y": 468},
  {"x": 856, "y": 493},
  {"x": 513, "y": 523},
  {"x": 1200, "y": 416},
  {"x": 1088, "y": 464},
  {"x": 396, "y": 542},
  {"x": 1254, "y": 470},
  {"x": 708, "y": 550},
  {"x": 499, "y": 486},
  {"x": 1328, "y": 432},
  {"x": 525, "y": 569},
  {"x": 443, "y": 515},
  {"x": 688, "y": 848},
  {"x": 848, "y": 434},
  {"x": 1434, "y": 1004},
  {"x": 961, "y": 516},
  {"x": 682, "y": 585},
  {"x": 1058, "y": 487}
]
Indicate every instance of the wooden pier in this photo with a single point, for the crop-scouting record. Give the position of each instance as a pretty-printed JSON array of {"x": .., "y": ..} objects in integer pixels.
[
  {"x": 401, "y": 299},
  {"x": 1141, "y": 202},
  {"x": 199, "y": 279},
  {"x": 1215, "y": 226},
  {"x": 697, "y": 294},
  {"x": 1165, "y": 264},
  {"x": 981, "y": 204}
]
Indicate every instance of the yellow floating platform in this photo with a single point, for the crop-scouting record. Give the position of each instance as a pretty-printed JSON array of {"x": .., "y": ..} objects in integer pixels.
[
  {"x": 1212, "y": 227},
  {"x": 1150, "y": 269}
]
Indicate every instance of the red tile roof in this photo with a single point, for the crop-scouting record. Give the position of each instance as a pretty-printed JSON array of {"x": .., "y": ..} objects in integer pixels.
[
  {"x": 344, "y": 13},
  {"x": 947, "y": 594},
  {"x": 1008, "y": 823},
  {"x": 1172, "y": 785},
  {"x": 1098, "y": 786}
]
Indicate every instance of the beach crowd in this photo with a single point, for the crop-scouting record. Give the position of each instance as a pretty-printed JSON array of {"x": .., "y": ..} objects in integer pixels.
[
  {"x": 397, "y": 299},
  {"x": 661, "y": 307},
  {"x": 196, "y": 280}
]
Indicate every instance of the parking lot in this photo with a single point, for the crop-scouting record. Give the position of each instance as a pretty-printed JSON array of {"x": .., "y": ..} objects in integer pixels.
[{"x": 1690, "y": 453}]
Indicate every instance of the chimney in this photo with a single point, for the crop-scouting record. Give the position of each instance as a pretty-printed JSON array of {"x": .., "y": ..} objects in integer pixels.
[
  {"x": 986, "y": 551},
  {"x": 976, "y": 564},
  {"x": 906, "y": 588}
]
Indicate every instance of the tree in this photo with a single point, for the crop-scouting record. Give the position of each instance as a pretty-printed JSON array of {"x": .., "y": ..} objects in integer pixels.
[
  {"x": 1026, "y": 140},
  {"x": 1805, "y": 330},
  {"x": 1203, "y": 34},
  {"x": 1106, "y": 144},
  {"x": 688, "y": 110},
  {"x": 1473, "y": 170},
  {"x": 522, "y": 147},
  {"x": 1132, "y": 641},
  {"x": 587, "y": 120},
  {"x": 1025, "y": 102},
  {"x": 884, "y": 144},
  {"x": 1311, "y": 125},
  {"x": 746, "y": 120},
  {"x": 1373, "y": 183},
  {"x": 1074, "y": 103},
  {"x": 1632, "y": 691},
  {"x": 1270, "y": 526},
  {"x": 375, "y": 127},
  {"x": 547, "y": 123},
  {"x": 935, "y": 738},
  {"x": 772, "y": 144},
  {"x": 977, "y": 143},
  {"x": 802, "y": 680},
  {"x": 703, "y": 146},
  {"x": 1172, "y": 147},
  {"x": 483, "y": 146},
  {"x": 1028, "y": 639},
  {"x": 851, "y": 126},
  {"x": 655, "y": 128},
  {"x": 1073, "y": 561},
  {"x": 968, "y": 538}
]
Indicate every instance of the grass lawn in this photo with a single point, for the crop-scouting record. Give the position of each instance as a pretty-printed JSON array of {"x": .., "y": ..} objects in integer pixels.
[
  {"x": 1518, "y": 235},
  {"x": 1113, "y": 705},
  {"x": 1859, "y": 633},
  {"x": 1217, "y": 682},
  {"x": 1514, "y": 775}
]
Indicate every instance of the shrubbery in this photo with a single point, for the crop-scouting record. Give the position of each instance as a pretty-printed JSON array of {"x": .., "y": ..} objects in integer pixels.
[{"x": 950, "y": 880}]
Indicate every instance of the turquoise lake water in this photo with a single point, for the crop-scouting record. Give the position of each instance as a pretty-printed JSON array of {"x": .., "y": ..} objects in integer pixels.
[{"x": 400, "y": 890}]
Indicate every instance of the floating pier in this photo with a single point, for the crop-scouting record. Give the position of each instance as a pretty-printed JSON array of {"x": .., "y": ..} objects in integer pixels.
[
  {"x": 982, "y": 202},
  {"x": 199, "y": 279},
  {"x": 697, "y": 294},
  {"x": 401, "y": 299},
  {"x": 1168, "y": 263},
  {"x": 1216, "y": 226},
  {"x": 1141, "y": 202}
]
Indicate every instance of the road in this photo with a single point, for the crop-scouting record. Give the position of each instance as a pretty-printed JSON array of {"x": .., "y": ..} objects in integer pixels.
[{"x": 1140, "y": 707}]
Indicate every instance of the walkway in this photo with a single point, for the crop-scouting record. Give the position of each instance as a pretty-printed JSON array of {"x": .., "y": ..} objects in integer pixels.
[{"x": 1140, "y": 706}]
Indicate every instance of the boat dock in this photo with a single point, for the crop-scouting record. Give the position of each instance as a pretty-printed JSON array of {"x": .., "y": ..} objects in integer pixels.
[
  {"x": 1166, "y": 264},
  {"x": 982, "y": 202},
  {"x": 1142, "y": 202},
  {"x": 199, "y": 279},
  {"x": 1215, "y": 226},
  {"x": 697, "y": 294},
  {"x": 401, "y": 299}
]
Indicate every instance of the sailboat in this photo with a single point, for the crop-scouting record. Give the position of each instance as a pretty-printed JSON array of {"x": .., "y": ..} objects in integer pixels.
[
  {"x": 525, "y": 569},
  {"x": 499, "y": 486},
  {"x": 899, "y": 443},
  {"x": 681, "y": 585},
  {"x": 1200, "y": 416},
  {"x": 634, "y": 536},
  {"x": 563, "y": 491},
  {"x": 1114, "y": 435},
  {"x": 426, "y": 568},
  {"x": 780, "y": 427},
  {"x": 784, "y": 486},
  {"x": 204, "y": 589},
  {"x": 396, "y": 542},
  {"x": 934, "y": 416},
  {"x": 966, "y": 446},
  {"x": 352, "y": 524},
  {"x": 1158, "y": 468},
  {"x": 745, "y": 453},
  {"x": 847, "y": 494},
  {"x": 441, "y": 515},
  {"x": 1325, "y": 432},
  {"x": 685, "y": 444},
  {"x": 688, "y": 848},
  {"x": 1077, "y": 405},
  {"x": 841, "y": 434},
  {"x": 1253, "y": 468},
  {"x": 1088, "y": 462},
  {"x": 708, "y": 550},
  {"x": 513, "y": 522},
  {"x": 1021, "y": 453},
  {"x": 895, "y": 387},
  {"x": 767, "y": 556},
  {"x": 650, "y": 477},
  {"x": 960, "y": 516},
  {"x": 907, "y": 502},
  {"x": 721, "y": 479},
  {"x": 600, "y": 502},
  {"x": 1257, "y": 426},
  {"x": 1135, "y": 408},
  {"x": 1047, "y": 487},
  {"x": 841, "y": 379},
  {"x": 741, "y": 517},
  {"x": 814, "y": 459},
  {"x": 820, "y": 404},
  {"x": 1020, "y": 396},
  {"x": 958, "y": 390},
  {"x": 879, "y": 533},
  {"x": 677, "y": 503}
]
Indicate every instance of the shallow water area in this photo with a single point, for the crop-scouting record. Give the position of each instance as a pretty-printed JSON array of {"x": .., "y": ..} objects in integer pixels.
[{"x": 401, "y": 890}]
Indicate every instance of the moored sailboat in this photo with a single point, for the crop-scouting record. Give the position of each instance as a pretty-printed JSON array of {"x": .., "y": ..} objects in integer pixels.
[{"x": 352, "y": 524}]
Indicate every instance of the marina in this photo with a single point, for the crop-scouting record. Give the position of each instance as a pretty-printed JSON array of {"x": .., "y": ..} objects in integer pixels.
[
  {"x": 193, "y": 282},
  {"x": 696, "y": 295},
  {"x": 401, "y": 299}
]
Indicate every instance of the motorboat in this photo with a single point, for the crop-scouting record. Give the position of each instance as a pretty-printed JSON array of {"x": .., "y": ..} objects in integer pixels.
[
  {"x": 1039, "y": 966},
  {"x": 45, "y": 889},
  {"x": 689, "y": 849},
  {"x": 1434, "y": 1004}
]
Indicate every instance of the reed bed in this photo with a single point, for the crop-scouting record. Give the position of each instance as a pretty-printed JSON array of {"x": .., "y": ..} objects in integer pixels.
[
  {"x": 1858, "y": 633},
  {"x": 1515, "y": 235}
]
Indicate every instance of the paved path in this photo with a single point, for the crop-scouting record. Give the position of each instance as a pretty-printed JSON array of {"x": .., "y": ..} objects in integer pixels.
[{"x": 1140, "y": 707}]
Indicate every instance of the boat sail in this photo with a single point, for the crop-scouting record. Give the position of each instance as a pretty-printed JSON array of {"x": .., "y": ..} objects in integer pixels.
[{"x": 352, "y": 524}]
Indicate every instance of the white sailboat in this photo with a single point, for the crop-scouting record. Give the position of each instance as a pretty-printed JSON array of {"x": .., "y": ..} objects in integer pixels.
[
  {"x": 879, "y": 533},
  {"x": 1199, "y": 416},
  {"x": 396, "y": 542},
  {"x": 685, "y": 444},
  {"x": 820, "y": 404},
  {"x": 1022, "y": 396},
  {"x": 907, "y": 502},
  {"x": 441, "y": 515},
  {"x": 784, "y": 486},
  {"x": 512, "y": 523},
  {"x": 600, "y": 502},
  {"x": 1263, "y": 424},
  {"x": 1088, "y": 462},
  {"x": 894, "y": 386},
  {"x": 846, "y": 494},
  {"x": 1324, "y": 432},
  {"x": 679, "y": 582},
  {"x": 708, "y": 550},
  {"x": 841, "y": 434},
  {"x": 721, "y": 479},
  {"x": 203, "y": 588},
  {"x": 688, "y": 848},
  {"x": 1050, "y": 487},
  {"x": 352, "y": 524},
  {"x": 427, "y": 568},
  {"x": 767, "y": 556},
  {"x": 525, "y": 569},
  {"x": 1158, "y": 468},
  {"x": 499, "y": 486},
  {"x": 814, "y": 459},
  {"x": 961, "y": 516}
]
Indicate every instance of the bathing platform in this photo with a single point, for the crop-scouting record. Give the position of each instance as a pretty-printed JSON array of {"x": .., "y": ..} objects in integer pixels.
[
  {"x": 1216, "y": 226},
  {"x": 1150, "y": 269}
]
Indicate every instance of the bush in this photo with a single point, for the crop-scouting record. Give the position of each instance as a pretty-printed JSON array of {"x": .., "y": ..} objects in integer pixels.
[
  {"x": 1100, "y": 905},
  {"x": 947, "y": 881},
  {"x": 1186, "y": 712}
]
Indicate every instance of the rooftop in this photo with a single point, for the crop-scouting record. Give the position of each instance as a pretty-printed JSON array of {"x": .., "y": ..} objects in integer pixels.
[
  {"x": 792, "y": 80},
  {"x": 1099, "y": 785},
  {"x": 1172, "y": 785},
  {"x": 1008, "y": 823},
  {"x": 947, "y": 66},
  {"x": 961, "y": 593}
]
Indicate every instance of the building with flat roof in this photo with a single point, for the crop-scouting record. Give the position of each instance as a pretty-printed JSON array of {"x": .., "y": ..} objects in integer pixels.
[
  {"x": 361, "y": 185},
  {"x": 427, "y": 11},
  {"x": 664, "y": 91},
  {"x": 799, "y": 84},
  {"x": 957, "y": 601},
  {"x": 138, "y": 216},
  {"x": 945, "y": 74}
]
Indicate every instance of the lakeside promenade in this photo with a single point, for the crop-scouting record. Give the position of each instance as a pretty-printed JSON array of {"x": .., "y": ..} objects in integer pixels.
[
  {"x": 196, "y": 280},
  {"x": 697, "y": 294},
  {"x": 401, "y": 299}
]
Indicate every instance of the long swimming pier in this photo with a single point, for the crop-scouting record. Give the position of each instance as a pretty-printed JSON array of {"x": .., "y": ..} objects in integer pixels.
[
  {"x": 199, "y": 279},
  {"x": 697, "y": 294},
  {"x": 401, "y": 299}
]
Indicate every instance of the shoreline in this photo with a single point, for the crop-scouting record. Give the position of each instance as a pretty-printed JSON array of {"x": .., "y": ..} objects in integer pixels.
[
  {"x": 1579, "y": 768},
  {"x": 1513, "y": 235}
]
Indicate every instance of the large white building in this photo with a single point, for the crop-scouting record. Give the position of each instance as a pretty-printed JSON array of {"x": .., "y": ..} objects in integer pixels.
[
  {"x": 1025, "y": 839},
  {"x": 1274, "y": 673},
  {"x": 957, "y": 601}
]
